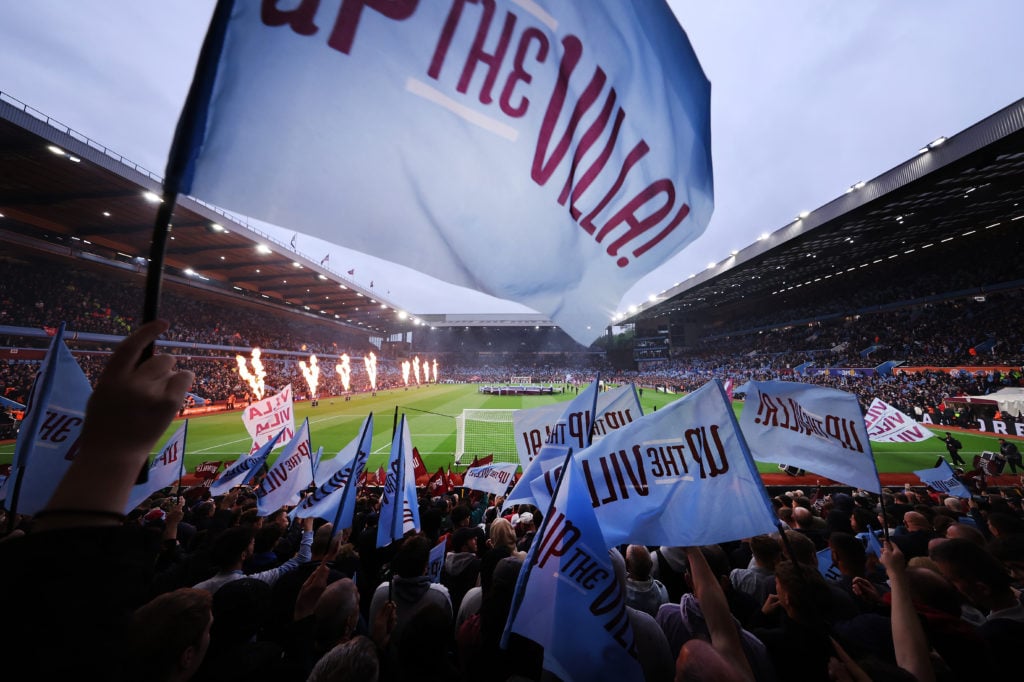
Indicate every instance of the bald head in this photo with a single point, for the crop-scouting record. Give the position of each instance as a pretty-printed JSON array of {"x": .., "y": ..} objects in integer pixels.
[
  {"x": 336, "y": 613},
  {"x": 916, "y": 521},
  {"x": 802, "y": 517}
]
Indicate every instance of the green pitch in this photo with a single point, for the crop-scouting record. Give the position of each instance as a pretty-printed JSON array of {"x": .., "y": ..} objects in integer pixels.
[{"x": 431, "y": 410}]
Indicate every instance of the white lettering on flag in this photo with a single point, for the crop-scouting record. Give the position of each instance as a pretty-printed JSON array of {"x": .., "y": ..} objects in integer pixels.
[
  {"x": 244, "y": 469},
  {"x": 814, "y": 428},
  {"x": 571, "y": 137}
]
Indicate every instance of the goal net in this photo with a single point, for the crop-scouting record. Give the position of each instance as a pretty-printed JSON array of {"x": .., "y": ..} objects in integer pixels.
[
  {"x": 521, "y": 381},
  {"x": 479, "y": 433}
]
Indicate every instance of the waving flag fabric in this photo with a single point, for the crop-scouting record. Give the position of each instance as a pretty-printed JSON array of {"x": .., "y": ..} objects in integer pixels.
[
  {"x": 810, "y": 427},
  {"x": 492, "y": 478},
  {"x": 568, "y": 598},
  {"x": 572, "y": 137},
  {"x": 48, "y": 439},
  {"x": 680, "y": 476},
  {"x": 886, "y": 424},
  {"x": 334, "y": 499},
  {"x": 291, "y": 473},
  {"x": 943, "y": 479},
  {"x": 266, "y": 417},
  {"x": 245, "y": 468},
  {"x": 166, "y": 468},
  {"x": 532, "y": 426},
  {"x": 399, "y": 508},
  {"x": 570, "y": 431}
]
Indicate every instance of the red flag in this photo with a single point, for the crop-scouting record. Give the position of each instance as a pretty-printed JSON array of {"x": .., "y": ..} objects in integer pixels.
[
  {"x": 382, "y": 475},
  {"x": 207, "y": 470},
  {"x": 454, "y": 480},
  {"x": 485, "y": 461},
  {"x": 438, "y": 484},
  {"x": 419, "y": 469}
]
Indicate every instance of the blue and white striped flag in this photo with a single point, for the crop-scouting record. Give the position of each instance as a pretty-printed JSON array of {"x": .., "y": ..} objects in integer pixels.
[
  {"x": 334, "y": 499},
  {"x": 399, "y": 508},
  {"x": 571, "y": 137}
]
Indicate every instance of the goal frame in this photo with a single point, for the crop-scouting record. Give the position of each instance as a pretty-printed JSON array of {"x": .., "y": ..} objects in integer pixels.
[{"x": 489, "y": 432}]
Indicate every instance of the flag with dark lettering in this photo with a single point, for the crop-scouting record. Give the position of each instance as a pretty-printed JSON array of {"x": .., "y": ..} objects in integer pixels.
[
  {"x": 334, "y": 499},
  {"x": 811, "y": 427},
  {"x": 399, "y": 508},
  {"x": 886, "y": 424},
  {"x": 532, "y": 426},
  {"x": 570, "y": 430},
  {"x": 264, "y": 418},
  {"x": 568, "y": 598},
  {"x": 292, "y": 473},
  {"x": 48, "y": 438},
  {"x": 492, "y": 478},
  {"x": 679, "y": 476},
  {"x": 165, "y": 469},
  {"x": 571, "y": 137},
  {"x": 436, "y": 562},
  {"x": 944, "y": 480},
  {"x": 245, "y": 468}
]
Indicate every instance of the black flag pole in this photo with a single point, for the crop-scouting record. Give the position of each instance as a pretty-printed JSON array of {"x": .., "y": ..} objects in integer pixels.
[
  {"x": 178, "y": 175},
  {"x": 187, "y": 139}
]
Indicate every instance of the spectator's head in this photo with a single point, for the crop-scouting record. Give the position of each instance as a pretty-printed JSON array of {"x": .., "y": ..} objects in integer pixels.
[
  {"x": 766, "y": 550},
  {"x": 953, "y": 505},
  {"x": 914, "y": 521},
  {"x": 354, "y": 660},
  {"x": 638, "y": 562},
  {"x": 803, "y": 548},
  {"x": 336, "y": 614},
  {"x": 232, "y": 547},
  {"x": 802, "y": 592},
  {"x": 502, "y": 534},
  {"x": 460, "y": 516},
  {"x": 170, "y": 634},
  {"x": 974, "y": 571},
  {"x": 848, "y": 553},
  {"x": 964, "y": 531},
  {"x": 464, "y": 539},
  {"x": 1004, "y": 523},
  {"x": 802, "y": 517},
  {"x": 240, "y": 611},
  {"x": 1009, "y": 549},
  {"x": 412, "y": 557},
  {"x": 698, "y": 661}
]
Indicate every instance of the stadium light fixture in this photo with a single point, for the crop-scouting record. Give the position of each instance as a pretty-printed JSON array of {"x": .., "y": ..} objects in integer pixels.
[
  {"x": 296, "y": 265},
  {"x": 734, "y": 253},
  {"x": 190, "y": 272},
  {"x": 764, "y": 235},
  {"x": 402, "y": 315},
  {"x": 56, "y": 150},
  {"x": 803, "y": 214},
  {"x": 74, "y": 159},
  {"x": 323, "y": 277},
  {"x": 152, "y": 197},
  {"x": 632, "y": 309},
  {"x": 263, "y": 248},
  {"x": 711, "y": 265},
  {"x": 383, "y": 306},
  {"x": 223, "y": 258},
  {"x": 936, "y": 142}
]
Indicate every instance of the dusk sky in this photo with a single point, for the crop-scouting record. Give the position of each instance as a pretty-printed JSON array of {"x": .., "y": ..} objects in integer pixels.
[{"x": 808, "y": 98}]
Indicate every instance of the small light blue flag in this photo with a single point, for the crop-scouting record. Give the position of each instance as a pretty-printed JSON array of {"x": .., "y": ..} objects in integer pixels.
[
  {"x": 943, "y": 479},
  {"x": 399, "y": 507}
]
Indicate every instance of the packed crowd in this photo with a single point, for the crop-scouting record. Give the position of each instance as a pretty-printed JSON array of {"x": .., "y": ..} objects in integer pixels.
[{"x": 907, "y": 585}]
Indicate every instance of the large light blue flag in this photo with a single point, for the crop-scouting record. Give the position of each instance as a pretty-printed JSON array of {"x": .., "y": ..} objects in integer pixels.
[
  {"x": 943, "y": 479},
  {"x": 680, "y": 476},
  {"x": 245, "y": 468},
  {"x": 167, "y": 468},
  {"x": 811, "y": 427},
  {"x": 568, "y": 598},
  {"x": 291, "y": 474},
  {"x": 399, "y": 508},
  {"x": 334, "y": 499},
  {"x": 572, "y": 430},
  {"x": 48, "y": 439},
  {"x": 572, "y": 137}
]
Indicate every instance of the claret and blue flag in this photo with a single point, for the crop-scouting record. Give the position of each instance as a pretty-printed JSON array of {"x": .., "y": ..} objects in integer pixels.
[
  {"x": 291, "y": 474},
  {"x": 943, "y": 479},
  {"x": 245, "y": 468},
  {"x": 811, "y": 427},
  {"x": 572, "y": 137}
]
